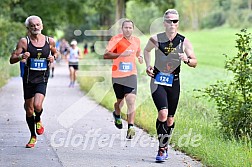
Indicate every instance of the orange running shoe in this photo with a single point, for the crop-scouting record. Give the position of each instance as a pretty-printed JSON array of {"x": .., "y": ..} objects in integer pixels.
[
  {"x": 39, "y": 128},
  {"x": 32, "y": 142}
]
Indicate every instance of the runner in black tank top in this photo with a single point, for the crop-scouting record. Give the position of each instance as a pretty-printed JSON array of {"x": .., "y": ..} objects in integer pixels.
[
  {"x": 170, "y": 49},
  {"x": 41, "y": 53},
  {"x": 38, "y": 51}
]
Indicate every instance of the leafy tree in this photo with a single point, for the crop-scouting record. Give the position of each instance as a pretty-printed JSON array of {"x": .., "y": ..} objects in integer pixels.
[
  {"x": 120, "y": 9},
  {"x": 149, "y": 12},
  {"x": 55, "y": 15},
  {"x": 162, "y": 5},
  {"x": 10, "y": 33},
  {"x": 192, "y": 12},
  {"x": 234, "y": 99},
  {"x": 214, "y": 19}
]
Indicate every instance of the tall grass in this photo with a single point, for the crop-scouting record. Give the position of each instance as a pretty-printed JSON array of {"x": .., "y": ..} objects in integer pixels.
[
  {"x": 196, "y": 131},
  {"x": 6, "y": 70}
]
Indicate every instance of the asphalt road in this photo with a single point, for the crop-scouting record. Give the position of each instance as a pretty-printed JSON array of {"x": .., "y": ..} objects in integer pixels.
[{"x": 78, "y": 132}]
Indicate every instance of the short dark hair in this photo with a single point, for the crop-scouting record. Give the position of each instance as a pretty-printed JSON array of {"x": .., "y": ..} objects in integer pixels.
[{"x": 127, "y": 20}]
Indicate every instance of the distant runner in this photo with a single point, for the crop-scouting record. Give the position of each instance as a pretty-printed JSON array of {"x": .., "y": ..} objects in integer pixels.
[{"x": 73, "y": 57}]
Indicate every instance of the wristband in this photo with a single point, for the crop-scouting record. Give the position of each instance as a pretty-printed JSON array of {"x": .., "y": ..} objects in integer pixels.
[{"x": 188, "y": 61}]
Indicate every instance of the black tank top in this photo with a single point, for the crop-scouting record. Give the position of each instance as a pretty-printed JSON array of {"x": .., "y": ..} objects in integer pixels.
[
  {"x": 166, "y": 56},
  {"x": 42, "y": 53}
]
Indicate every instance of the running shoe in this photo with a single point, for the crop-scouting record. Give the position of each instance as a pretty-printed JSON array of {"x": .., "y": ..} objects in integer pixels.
[
  {"x": 118, "y": 121},
  {"x": 39, "y": 128},
  {"x": 32, "y": 142},
  {"x": 161, "y": 156},
  {"x": 130, "y": 133}
]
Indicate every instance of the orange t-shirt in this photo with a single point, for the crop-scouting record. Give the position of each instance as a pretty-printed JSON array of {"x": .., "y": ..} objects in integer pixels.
[{"x": 124, "y": 66}]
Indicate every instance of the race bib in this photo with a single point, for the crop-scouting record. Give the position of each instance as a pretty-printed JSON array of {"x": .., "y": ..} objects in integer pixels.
[
  {"x": 164, "y": 79},
  {"x": 125, "y": 67},
  {"x": 38, "y": 64}
]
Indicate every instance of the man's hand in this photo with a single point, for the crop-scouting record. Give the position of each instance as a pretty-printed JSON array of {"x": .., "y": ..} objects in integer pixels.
[
  {"x": 183, "y": 57},
  {"x": 26, "y": 55},
  {"x": 149, "y": 71},
  {"x": 140, "y": 59},
  {"x": 50, "y": 58}
]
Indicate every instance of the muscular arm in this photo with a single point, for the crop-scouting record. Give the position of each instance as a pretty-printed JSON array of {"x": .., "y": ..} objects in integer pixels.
[
  {"x": 152, "y": 43},
  {"x": 139, "y": 57},
  {"x": 17, "y": 55},
  {"x": 190, "y": 53},
  {"x": 53, "y": 50},
  {"x": 110, "y": 55}
]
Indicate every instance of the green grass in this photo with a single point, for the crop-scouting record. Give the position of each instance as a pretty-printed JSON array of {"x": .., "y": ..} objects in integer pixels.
[
  {"x": 7, "y": 71},
  {"x": 210, "y": 45},
  {"x": 196, "y": 118}
]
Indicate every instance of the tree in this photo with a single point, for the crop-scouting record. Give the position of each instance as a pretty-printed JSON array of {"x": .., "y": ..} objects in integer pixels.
[
  {"x": 149, "y": 12},
  {"x": 193, "y": 11},
  {"x": 54, "y": 14},
  {"x": 120, "y": 9},
  {"x": 162, "y": 5}
]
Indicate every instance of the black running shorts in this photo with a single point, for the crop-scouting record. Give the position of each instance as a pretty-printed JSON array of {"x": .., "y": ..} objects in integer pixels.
[
  {"x": 74, "y": 65},
  {"x": 125, "y": 85},
  {"x": 166, "y": 97},
  {"x": 30, "y": 89}
]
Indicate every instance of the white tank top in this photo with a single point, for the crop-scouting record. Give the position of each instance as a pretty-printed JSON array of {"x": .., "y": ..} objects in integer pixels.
[{"x": 73, "y": 55}]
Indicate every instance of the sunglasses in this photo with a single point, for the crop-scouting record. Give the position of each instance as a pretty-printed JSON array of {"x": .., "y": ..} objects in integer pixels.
[{"x": 171, "y": 21}]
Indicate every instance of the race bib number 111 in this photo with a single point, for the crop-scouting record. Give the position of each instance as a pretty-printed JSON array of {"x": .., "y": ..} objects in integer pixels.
[{"x": 38, "y": 64}]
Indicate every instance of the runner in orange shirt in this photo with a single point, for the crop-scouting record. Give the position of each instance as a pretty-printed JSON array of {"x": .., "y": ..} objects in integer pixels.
[{"x": 124, "y": 49}]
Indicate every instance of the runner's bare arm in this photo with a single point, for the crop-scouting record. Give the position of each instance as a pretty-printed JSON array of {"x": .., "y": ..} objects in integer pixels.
[
  {"x": 53, "y": 49},
  {"x": 110, "y": 55},
  {"x": 191, "y": 58},
  {"x": 152, "y": 43},
  {"x": 18, "y": 55},
  {"x": 139, "y": 56}
]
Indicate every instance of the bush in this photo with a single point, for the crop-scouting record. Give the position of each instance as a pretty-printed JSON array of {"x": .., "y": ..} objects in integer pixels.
[
  {"x": 212, "y": 20},
  {"x": 240, "y": 18},
  {"x": 10, "y": 33},
  {"x": 234, "y": 99}
]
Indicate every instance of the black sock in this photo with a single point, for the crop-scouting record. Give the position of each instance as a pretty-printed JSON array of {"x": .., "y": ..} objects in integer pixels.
[
  {"x": 162, "y": 131},
  {"x": 169, "y": 132},
  {"x": 31, "y": 125},
  {"x": 130, "y": 125},
  {"x": 116, "y": 116},
  {"x": 37, "y": 117},
  {"x": 170, "y": 129}
]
